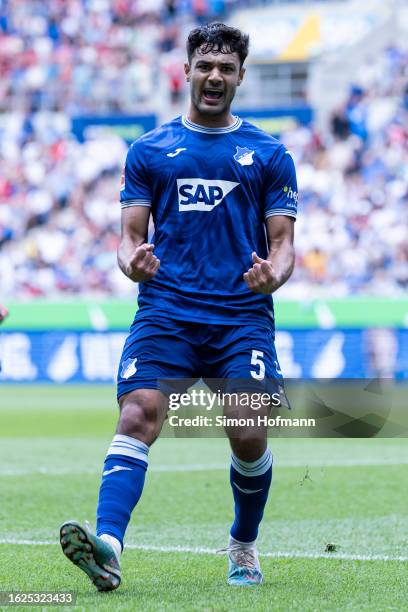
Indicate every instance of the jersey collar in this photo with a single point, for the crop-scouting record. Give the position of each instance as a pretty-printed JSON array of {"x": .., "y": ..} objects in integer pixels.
[{"x": 207, "y": 130}]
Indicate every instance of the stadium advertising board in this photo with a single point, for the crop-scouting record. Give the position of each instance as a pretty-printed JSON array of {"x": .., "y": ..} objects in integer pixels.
[
  {"x": 90, "y": 356},
  {"x": 128, "y": 127},
  {"x": 278, "y": 119}
]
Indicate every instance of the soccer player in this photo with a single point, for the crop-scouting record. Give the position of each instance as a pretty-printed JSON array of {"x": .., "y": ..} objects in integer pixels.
[{"x": 223, "y": 197}]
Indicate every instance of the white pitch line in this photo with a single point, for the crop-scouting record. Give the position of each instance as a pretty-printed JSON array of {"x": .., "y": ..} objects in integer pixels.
[
  {"x": 203, "y": 467},
  {"x": 199, "y": 467},
  {"x": 212, "y": 551}
]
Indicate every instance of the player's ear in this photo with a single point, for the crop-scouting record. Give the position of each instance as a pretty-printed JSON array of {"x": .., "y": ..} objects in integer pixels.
[
  {"x": 241, "y": 75},
  {"x": 187, "y": 71}
]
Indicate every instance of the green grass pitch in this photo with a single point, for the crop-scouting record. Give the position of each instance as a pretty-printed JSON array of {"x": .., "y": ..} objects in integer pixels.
[{"x": 349, "y": 493}]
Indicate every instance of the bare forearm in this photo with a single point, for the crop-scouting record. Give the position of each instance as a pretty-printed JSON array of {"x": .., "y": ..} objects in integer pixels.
[
  {"x": 267, "y": 275},
  {"x": 126, "y": 250},
  {"x": 135, "y": 255},
  {"x": 282, "y": 257}
]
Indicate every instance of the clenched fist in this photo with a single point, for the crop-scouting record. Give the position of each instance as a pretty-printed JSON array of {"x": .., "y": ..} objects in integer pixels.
[
  {"x": 142, "y": 264},
  {"x": 262, "y": 277}
]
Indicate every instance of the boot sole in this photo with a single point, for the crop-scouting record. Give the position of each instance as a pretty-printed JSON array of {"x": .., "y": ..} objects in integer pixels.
[{"x": 80, "y": 550}]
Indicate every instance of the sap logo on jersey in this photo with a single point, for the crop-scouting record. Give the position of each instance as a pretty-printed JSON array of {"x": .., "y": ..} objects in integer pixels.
[{"x": 202, "y": 194}]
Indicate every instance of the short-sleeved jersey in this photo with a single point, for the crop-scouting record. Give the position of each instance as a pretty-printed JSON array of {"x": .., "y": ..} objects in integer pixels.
[{"x": 210, "y": 191}]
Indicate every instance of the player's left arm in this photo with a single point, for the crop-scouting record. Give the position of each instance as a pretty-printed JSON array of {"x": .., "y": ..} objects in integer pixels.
[
  {"x": 280, "y": 199},
  {"x": 267, "y": 275}
]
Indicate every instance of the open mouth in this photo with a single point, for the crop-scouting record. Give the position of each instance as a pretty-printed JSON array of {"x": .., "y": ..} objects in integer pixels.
[{"x": 212, "y": 95}]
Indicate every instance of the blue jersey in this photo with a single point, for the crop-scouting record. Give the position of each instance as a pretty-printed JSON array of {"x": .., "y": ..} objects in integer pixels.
[{"x": 210, "y": 191}]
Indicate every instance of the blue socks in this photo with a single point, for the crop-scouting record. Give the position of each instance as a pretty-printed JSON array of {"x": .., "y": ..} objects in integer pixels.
[
  {"x": 123, "y": 480},
  {"x": 122, "y": 485},
  {"x": 250, "y": 482}
]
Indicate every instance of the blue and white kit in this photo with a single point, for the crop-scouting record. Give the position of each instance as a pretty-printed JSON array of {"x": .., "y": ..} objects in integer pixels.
[{"x": 210, "y": 191}]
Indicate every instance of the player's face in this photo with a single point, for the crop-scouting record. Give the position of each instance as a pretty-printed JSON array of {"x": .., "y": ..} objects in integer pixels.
[{"x": 213, "y": 79}]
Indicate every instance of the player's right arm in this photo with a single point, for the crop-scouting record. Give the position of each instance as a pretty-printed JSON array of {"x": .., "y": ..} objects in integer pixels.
[{"x": 135, "y": 254}]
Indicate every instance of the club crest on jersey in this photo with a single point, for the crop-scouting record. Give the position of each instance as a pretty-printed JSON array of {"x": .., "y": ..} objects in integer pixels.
[
  {"x": 128, "y": 368},
  {"x": 122, "y": 180},
  {"x": 202, "y": 194},
  {"x": 244, "y": 156}
]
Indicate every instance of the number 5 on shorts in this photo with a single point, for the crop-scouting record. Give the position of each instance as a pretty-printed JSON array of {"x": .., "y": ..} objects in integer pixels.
[{"x": 256, "y": 360}]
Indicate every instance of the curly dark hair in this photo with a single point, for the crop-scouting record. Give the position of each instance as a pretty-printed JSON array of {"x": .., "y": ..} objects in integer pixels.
[{"x": 219, "y": 38}]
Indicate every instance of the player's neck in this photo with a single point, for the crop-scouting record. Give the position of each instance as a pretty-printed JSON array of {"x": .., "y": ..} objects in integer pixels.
[{"x": 210, "y": 121}]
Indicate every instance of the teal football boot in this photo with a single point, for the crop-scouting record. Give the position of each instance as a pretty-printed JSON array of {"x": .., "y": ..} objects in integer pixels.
[
  {"x": 91, "y": 554},
  {"x": 243, "y": 565}
]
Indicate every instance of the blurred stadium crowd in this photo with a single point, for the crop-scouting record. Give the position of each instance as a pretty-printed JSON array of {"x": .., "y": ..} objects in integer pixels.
[
  {"x": 59, "y": 212},
  {"x": 77, "y": 55},
  {"x": 352, "y": 231}
]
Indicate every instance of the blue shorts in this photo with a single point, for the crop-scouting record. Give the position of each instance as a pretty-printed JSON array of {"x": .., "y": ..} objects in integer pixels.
[{"x": 160, "y": 349}]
